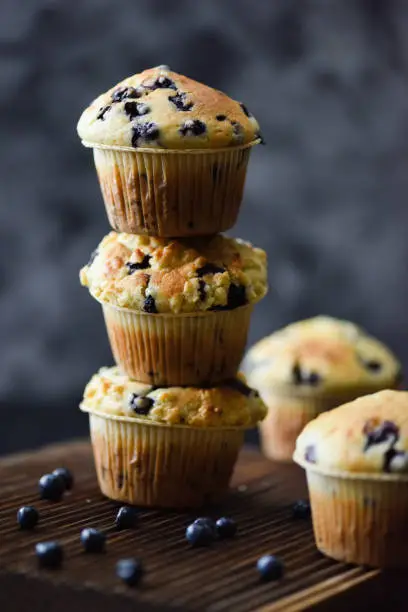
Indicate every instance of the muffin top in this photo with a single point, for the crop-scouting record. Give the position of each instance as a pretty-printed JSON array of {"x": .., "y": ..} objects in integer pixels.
[
  {"x": 318, "y": 357},
  {"x": 159, "y": 275},
  {"x": 231, "y": 405},
  {"x": 159, "y": 108},
  {"x": 369, "y": 434}
]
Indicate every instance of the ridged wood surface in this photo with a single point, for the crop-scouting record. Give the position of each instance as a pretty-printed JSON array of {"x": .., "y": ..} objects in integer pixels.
[{"x": 219, "y": 578}]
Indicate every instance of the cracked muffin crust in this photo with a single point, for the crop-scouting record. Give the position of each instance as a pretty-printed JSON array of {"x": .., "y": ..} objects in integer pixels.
[
  {"x": 321, "y": 356},
  {"x": 233, "y": 404},
  {"x": 369, "y": 434},
  {"x": 161, "y": 109},
  {"x": 157, "y": 275}
]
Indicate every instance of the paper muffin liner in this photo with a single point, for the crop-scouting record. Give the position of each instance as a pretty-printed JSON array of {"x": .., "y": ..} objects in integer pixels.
[
  {"x": 170, "y": 192},
  {"x": 287, "y": 416},
  {"x": 359, "y": 518},
  {"x": 146, "y": 464},
  {"x": 178, "y": 350}
]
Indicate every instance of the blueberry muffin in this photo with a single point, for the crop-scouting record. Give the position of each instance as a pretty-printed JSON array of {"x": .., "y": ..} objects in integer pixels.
[
  {"x": 312, "y": 366},
  {"x": 169, "y": 447},
  {"x": 356, "y": 461},
  {"x": 177, "y": 311},
  {"x": 171, "y": 154}
]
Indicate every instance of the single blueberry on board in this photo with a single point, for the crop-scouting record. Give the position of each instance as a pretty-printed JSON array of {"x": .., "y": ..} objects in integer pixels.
[
  {"x": 199, "y": 534},
  {"x": 226, "y": 527},
  {"x": 130, "y": 571},
  {"x": 66, "y": 476},
  {"x": 208, "y": 522},
  {"x": 126, "y": 518},
  {"x": 301, "y": 509},
  {"x": 93, "y": 540},
  {"x": 27, "y": 517},
  {"x": 51, "y": 487},
  {"x": 49, "y": 554},
  {"x": 270, "y": 568}
]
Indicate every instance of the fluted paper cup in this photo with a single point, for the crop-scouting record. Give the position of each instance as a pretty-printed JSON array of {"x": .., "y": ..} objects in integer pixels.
[
  {"x": 171, "y": 192},
  {"x": 147, "y": 464},
  {"x": 287, "y": 416},
  {"x": 359, "y": 518},
  {"x": 195, "y": 349}
]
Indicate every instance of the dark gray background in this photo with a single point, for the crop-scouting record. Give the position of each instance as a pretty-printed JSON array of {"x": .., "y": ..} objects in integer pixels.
[{"x": 327, "y": 81}]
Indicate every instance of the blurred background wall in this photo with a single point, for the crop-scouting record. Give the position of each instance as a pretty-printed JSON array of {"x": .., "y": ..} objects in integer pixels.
[{"x": 327, "y": 80}]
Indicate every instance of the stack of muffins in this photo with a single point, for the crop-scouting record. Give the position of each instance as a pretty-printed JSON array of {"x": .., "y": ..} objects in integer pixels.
[{"x": 168, "y": 420}]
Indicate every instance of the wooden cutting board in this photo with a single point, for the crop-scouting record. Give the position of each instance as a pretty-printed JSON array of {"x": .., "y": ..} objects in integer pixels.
[{"x": 220, "y": 578}]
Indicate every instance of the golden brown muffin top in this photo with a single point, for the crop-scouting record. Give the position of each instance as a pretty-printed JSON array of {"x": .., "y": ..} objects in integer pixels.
[
  {"x": 369, "y": 434},
  {"x": 232, "y": 404},
  {"x": 161, "y": 109},
  {"x": 319, "y": 357},
  {"x": 159, "y": 275}
]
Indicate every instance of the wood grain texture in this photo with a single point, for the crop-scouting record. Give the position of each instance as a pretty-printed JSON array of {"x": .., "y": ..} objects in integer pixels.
[{"x": 218, "y": 579}]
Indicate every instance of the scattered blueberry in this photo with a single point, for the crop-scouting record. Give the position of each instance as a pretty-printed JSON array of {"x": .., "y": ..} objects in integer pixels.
[
  {"x": 209, "y": 268},
  {"x": 27, "y": 517},
  {"x": 66, "y": 476},
  {"x": 269, "y": 568},
  {"x": 221, "y": 117},
  {"x": 136, "y": 109},
  {"x": 126, "y": 92},
  {"x": 130, "y": 571},
  {"x": 144, "y": 132},
  {"x": 102, "y": 112},
  {"x": 51, "y": 487},
  {"x": 226, "y": 527},
  {"x": 245, "y": 109},
  {"x": 93, "y": 540},
  {"x": 179, "y": 101},
  {"x": 141, "y": 265},
  {"x": 208, "y": 522},
  {"x": 150, "y": 305},
  {"x": 199, "y": 534},
  {"x": 49, "y": 554},
  {"x": 301, "y": 509},
  {"x": 140, "y": 404},
  {"x": 193, "y": 127},
  {"x": 126, "y": 518}
]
